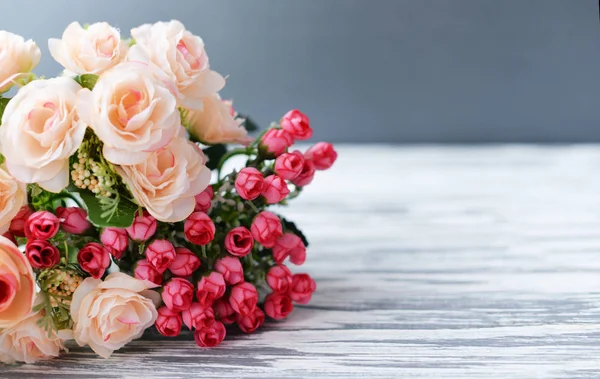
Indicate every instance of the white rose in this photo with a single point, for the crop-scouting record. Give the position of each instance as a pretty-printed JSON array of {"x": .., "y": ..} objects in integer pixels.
[
  {"x": 168, "y": 180},
  {"x": 132, "y": 111},
  {"x": 92, "y": 50},
  {"x": 17, "y": 58},
  {"x": 12, "y": 198},
  {"x": 40, "y": 131},
  {"x": 181, "y": 55},
  {"x": 215, "y": 123},
  {"x": 108, "y": 315}
]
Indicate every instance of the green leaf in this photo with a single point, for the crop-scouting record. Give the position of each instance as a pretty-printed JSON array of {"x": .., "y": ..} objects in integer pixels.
[
  {"x": 87, "y": 80},
  {"x": 214, "y": 154},
  {"x": 3, "y": 103},
  {"x": 122, "y": 217},
  {"x": 291, "y": 227},
  {"x": 249, "y": 124}
]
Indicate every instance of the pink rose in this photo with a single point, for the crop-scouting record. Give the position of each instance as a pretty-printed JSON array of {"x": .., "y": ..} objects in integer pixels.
[
  {"x": 239, "y": 241},
  {"x": 115, "y": 240},
  {"x": 199, "y": 229},
  {"x": 322, "y": 155},
  {"x": 243, "y": 298},
  {"x": 41, "y": 225},
  {"x": 250, "y": 322},
  {"x": 275, "y": 142},
  {"x": 160, "y": 254},
  {"x": 73, "y": 219},
  {"x": 306, "y": 175},
  {"x": 266, "y": 228},
  {"x": 42, "y": 254},
  {"x": 198, "y": 317},
  {"x": 279, "y": 278},
  {"x": 94, "y": 259},
  {"x": 142, "y": 228},
  {"x": 168, "y": 323},
  {"x": 224, "y": 311},
  {"x": 178, "y": 294},
  {"x": 145, "y": 271},
  {"x": 210, "y": 288},
  {"x": 274, "y": 189},
  {"x": 297, "y": 124},
  {"x": 231, "y": 269},
  {"x": 289, "y": 245},
  {"x": 289, "y": 165},
  {"x": 278, "y": 306},
  {"x": 185, "y": 263},
  {"x": 302, "y": 288},
  {"x": 17, "y": 225},
  {"x": 17, "y": 284},
  {"x": 203, "y": 199},
  {"x": 249, "y": 183},
  {"x": 210, "y": 336}
]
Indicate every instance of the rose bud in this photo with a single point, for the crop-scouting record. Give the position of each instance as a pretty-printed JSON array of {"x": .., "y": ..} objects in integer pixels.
[
  {"x": 41, "y": 225},
  {"x": 210, "y": 288},
  {"x": 243, "y": 298},
  {"x": 197, "y": 316},
  {"x": 275, "y": 142},
  {"x": 278, "y": 306},
  {"x": 17, "y": 224},
  {"x": 199, "y": 229},
  {"x": 94, "y": 259},
  {"x": 145, "y": 271},
  {"x": 11, "y": 237},
  {"x": 289, "y": 245},
  {"x": 249, "y": 183},
  {"x": 279, "y": 278},
  {"x": 224, "y": 311},
  {"x": 168, "y": 323},
  {"x": 274, "y": 189},
  {"x": 73, "y": 219},
  {"x": 142, "y": 228},
  {"x": 210, "y": 336},
  {"x": 322, "y": 155},
  {"x": 266, "y": 228},
  {"x": 297, "y": 124},
  {"x": 178, "y": 294},
  {"x": 42, "y": 254},
  {"x": 185, "y": 263},
  {"x": 231, "y": 268},
  {"x": 239, "y": 241},
  {"x": 289, "y": 165},
  {"x": 307, "y": 174},
  {"x": 160, "y": 254},
  {"x": 115, "y": 240},
  {"x": 203, "y": 199},
  {"x": 302, "y": 288},
  {"x": 250, "y": 322}
]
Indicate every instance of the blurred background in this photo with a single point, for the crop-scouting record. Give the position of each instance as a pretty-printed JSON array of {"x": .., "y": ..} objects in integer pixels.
[{"x": 393, "y": 71}]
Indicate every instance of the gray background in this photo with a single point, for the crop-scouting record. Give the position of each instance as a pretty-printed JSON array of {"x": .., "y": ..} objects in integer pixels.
[{"x": 381, "y": 70}]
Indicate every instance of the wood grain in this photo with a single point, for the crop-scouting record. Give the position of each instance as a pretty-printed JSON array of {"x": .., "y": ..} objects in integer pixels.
[{"x": 431, "y": 262}]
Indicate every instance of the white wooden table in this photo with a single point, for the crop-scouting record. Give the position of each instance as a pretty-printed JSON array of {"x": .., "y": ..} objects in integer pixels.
[{"x": 431, "y": 262}]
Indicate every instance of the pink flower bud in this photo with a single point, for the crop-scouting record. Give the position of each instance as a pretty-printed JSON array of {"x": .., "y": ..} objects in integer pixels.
[
  {"x": 231, "y": 269},
  {"x": 145, "y": 271},
  {"x": 249, "y": 183},
  {"x": 278, "y": 306},
  {"x": 185, "y": 263},
  {"x": 210, "y": 336},
  {"x": 160, "y": 254},
  {"x": 94, "y": 259},
  {"x": 302, "y": 288},
  {"x": 307, "y": 174},
  {"x": 289, "y": 245},
  {"x": 274, "y": 189},
  {"x": 279, "y": 278},
  {"x": 115, "y": 240},
  {"x": 275, "y": 142},
  {"x": 210, "y": 288},
  {"x": 322, "y": 155},
  {"x": 143, "y": 227},
  {"x": 203, "y": 199},
  {"x": 224, "y": 311},
  {"x": 168, "y": 323},
  {"x": 297, "y": 124},
  {"x": 42, "y": 254},
  {"x": 41, "y": 225},
  {"x": 197, "y": 316},
  {"x": 178, "y": 294},
  {"x": 266, "y": 228},
  {"x": 239, "y": 241},
  {"x": 243, "y": 298},
  {"x": 289, "y": 165},
  {"x": 73, "y": 219},
  {"x": 250, "y": 322},
  {"x": 199, "y": 229},
  {"x": 17, "y": 224}
]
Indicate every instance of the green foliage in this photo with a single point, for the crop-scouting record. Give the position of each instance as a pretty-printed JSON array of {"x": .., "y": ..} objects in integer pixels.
[
  {"x": 3, "y": 103},
  {"x": 106, "y": 212},
  {"x": 214, "y": 154},
  {"x": 87, "y": 80}
]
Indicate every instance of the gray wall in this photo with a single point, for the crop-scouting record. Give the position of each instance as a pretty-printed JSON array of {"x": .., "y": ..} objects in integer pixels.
[{"x": 381, "y": 70}]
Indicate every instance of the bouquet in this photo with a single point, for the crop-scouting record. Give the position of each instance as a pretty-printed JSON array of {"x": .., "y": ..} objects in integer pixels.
[{"x": 116, "y": 212}]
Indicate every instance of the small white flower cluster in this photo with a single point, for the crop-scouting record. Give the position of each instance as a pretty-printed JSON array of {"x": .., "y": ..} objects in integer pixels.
[{"x": 89, "y": 174}]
